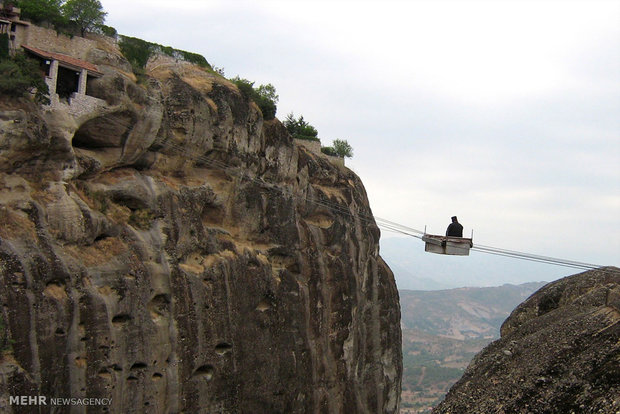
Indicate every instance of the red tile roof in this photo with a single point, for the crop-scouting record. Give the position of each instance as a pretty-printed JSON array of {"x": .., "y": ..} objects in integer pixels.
[{"x": 65, "y": 60}]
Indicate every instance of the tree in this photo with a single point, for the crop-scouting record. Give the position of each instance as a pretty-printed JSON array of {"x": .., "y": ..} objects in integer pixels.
[
  {"x": 86, "y": 14},
  {"x": 343, "y": 148},
  {"x": 268, "y": 92},
  {"x": 299, "y": 128},
  {"x": 20, "y": 76},
  {"x": 40, "y": 11},
  {"x": 265, "y": 96}
]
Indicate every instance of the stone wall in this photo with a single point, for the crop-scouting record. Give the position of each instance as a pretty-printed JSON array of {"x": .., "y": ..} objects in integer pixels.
[
  {"x": 315, "y": 147},
  {"x": 80, "y": 105},
  {"x": 18, "y": 37},
  {"x": 336, "y": 160},
  {"x": 51, "y": 41}
]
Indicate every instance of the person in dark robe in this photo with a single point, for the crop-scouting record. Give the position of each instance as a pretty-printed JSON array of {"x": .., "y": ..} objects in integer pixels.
[{"x": 455, "y": 229}]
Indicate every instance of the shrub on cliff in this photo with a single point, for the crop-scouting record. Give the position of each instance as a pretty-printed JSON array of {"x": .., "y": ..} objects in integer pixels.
[
  {"x": 42, "y": 11},
  {"x": 328, "y": 151},
  {"x": 86, "y": 14},
  {"x": 340, "y": 148},
  {"x": 67, "y": 17},
  {"x": 265, "y": 96},
  {"x": 138, "y": 52},
  {"x": 21, "y": 76},
  {"x": 299, "y": 128},
  {"x": 343, "y": 148}
]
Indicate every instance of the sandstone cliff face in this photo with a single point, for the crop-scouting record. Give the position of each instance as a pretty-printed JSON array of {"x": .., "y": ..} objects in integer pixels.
[
  {"x": 559, "y": 352},
  {"x": 175, "y": 253}
]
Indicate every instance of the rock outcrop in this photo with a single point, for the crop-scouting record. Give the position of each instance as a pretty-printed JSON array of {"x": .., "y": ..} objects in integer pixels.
[
  {"x": 559, "y": 352},
  {"x": 174, "y": 252}
]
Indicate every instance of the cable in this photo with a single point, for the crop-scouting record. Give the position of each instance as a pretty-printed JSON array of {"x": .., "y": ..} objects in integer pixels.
[{"x": 364, "y": 217}]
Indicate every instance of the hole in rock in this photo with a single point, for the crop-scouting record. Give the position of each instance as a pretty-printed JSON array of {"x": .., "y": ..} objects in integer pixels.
[
  {"x": 104, "y": 373},
  {"x": 121, "y": 318},
  {"x": 131, "y": 201},
  {"x": 132, "y": 378},
  {"x": 107, "y": 131},
  {"x": 101, "y": 237},
  {"x": 253, "y": 264},
  {"x": 263, "y": 305},
  {"x": 204, "y": 371},
  {"x": 138, "y": 365},
  {"x": 60, "y": 332},
  {"x": 223, "y": 348},
  {"x": 157, "y": 376},
  {"x": 55, "y": 289},
  {"x": 159, "y": 306}
]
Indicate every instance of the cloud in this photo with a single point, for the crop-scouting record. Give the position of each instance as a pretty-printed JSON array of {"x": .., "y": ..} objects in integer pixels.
[{"x": 504, "y": 113}]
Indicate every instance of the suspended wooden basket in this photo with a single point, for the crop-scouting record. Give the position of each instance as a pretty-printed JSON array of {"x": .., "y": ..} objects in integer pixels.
[{"x": 455, "y": 246}]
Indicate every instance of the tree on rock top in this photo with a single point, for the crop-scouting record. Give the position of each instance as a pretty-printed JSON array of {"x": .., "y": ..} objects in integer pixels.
[
  {"x": 343, "y": 148},
  {"x": 265, "y": 96},
  {"x": 87, "y": 14},
  {"x": 40, "y": 11},
  {"x": 299, "y": 128}
]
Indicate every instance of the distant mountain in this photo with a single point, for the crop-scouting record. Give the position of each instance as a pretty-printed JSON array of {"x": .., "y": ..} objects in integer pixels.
[
  {"x": 417, "y": 270},
  {"x": 443, "y": 330},
  {"x": 462, "y": 313},
  {"x": 558, "y": 353}
]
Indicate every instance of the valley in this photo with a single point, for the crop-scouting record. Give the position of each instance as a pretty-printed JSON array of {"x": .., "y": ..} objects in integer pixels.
[{"x": 443, "y": 330}]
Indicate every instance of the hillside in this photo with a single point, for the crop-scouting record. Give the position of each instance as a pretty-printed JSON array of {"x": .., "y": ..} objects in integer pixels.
[
  {"x": 443, "y": 330},
  {"x": 558, "y": 353},
  {"x": 464, "y": 313}
]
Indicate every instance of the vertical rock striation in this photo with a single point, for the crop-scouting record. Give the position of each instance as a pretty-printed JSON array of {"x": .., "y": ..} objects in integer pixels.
[{"x": 174, "y": 252}]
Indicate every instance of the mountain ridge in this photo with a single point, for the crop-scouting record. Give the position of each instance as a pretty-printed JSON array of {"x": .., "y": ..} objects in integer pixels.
[
  {"x": 441, "y": 335},
  {"x": 558, "y": 353}
]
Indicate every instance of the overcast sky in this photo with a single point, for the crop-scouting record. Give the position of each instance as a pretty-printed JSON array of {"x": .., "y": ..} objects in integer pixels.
[{"x": 505, "y": 113}]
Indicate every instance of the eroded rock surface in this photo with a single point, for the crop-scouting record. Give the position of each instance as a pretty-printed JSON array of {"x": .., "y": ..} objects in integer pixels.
[
  {"x": 559, "y": 352},
  {"x": 175, "y": 253}
]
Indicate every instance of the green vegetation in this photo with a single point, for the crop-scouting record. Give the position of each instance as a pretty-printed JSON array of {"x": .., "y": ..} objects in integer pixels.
[
  {"x": 138, "y": 52},
  {"x": 265, "y": 96},
  {"x": 340, "y": 148},
  {"x": 328, "y": 151},
  {"x": 42, "y": 11},
  {"x": 87, "y": 15},
  {"x": 4, "y": 46},
  {"x": 300, "y": 129},
  {"x": 343, "y": 148},
  {"x": 108, "y": 30},
  {"x": 20, "y": 76},
  {"x": 70, "y": 16},
  {"x": 432, "y": 364}
]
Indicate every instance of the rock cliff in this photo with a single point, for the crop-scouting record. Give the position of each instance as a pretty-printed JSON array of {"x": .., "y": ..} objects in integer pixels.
[
  {"x": 559, "y": 352},
  {"x": 174, "y": 252}
]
